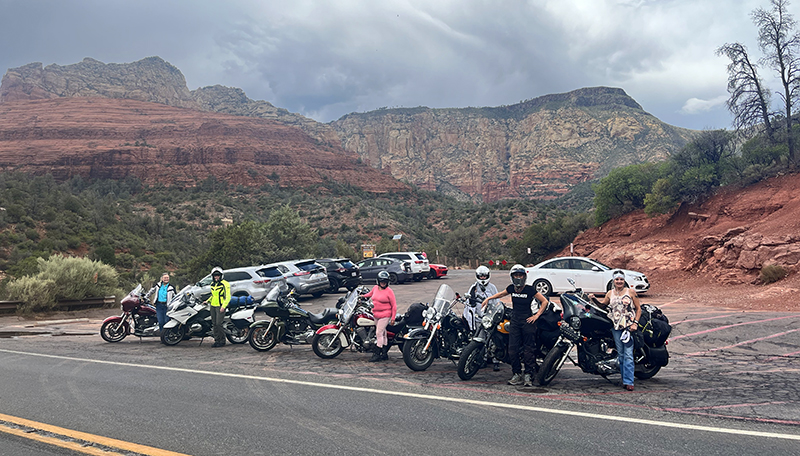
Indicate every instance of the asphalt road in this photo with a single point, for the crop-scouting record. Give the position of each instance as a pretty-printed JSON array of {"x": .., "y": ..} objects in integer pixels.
[{"x": 731, "y": 373}]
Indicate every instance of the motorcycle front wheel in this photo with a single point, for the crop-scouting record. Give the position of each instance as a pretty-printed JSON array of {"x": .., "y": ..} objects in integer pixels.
[
  {"x": 263, "y": 340},
  {"x": 173, "y": 335},
  {"x": 113, "y": 331},
  {"x": 552, "y": 363},
  {"x": 414, "y": 357},
  {"x": 238, "y": 335},
  {"x": 471, "y": 360},
  {"x": 326, "y": 346}
]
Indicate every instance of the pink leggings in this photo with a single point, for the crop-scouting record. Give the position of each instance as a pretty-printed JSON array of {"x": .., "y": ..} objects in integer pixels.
[{"x": 380, "y": 331}]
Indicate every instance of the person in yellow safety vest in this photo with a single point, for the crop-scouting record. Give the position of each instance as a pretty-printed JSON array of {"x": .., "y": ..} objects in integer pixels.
[{"x": 220, "y": 297}]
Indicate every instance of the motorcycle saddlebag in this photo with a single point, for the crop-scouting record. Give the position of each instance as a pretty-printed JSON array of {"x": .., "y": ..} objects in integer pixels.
[
  {"x": 414, "y": 314},
  {"x": 657, "y": 356}
]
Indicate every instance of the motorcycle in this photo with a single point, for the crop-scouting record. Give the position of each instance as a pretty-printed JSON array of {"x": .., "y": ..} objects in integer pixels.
[
  {"x": 443, "y": 334},
  {"x": 289, "y": 323},
  {"x": 355, "y": 328},
  {"x": 191, "y": 317},
  {"x": 588, "y": 327},
  {"x": 490, "y": 340},
  {"x": 136, "y": 310}
]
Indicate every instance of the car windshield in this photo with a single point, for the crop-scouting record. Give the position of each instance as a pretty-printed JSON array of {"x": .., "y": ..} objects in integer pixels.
[
  {"x": 420, "y": 256},
  {"x": 347, "y": 264},
  {"x": 601, "y": 264},
  {"x": 269, "y": 272},
  {"x": 307, "y": 266},
  {"x": 444, "y": 299}
]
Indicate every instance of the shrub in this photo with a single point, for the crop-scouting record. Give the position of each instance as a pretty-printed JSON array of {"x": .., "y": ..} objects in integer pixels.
[
  {"x": 772, "y": 273},
  {"x": 63, "y": 278}
]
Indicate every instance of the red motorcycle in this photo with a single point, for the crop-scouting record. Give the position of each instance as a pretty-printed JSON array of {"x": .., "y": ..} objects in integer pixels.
[
  {"x": 355, "y": 328},
  {"x": 136, "y": 310}
]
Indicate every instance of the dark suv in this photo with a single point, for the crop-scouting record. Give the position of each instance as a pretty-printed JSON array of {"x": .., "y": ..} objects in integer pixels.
[{"x": 341, "y": 273}]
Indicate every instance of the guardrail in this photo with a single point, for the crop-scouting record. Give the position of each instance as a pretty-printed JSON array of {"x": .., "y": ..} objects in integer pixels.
[{"x": 68, "y": 305}]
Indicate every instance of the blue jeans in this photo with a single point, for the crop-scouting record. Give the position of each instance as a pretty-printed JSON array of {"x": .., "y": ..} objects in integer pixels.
[
  {"x": 161, "y": 314},
  {"x": 625, "y": 361}
]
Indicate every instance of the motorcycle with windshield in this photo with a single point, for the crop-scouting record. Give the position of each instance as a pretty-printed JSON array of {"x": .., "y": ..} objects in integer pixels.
[
  {"x": 136, "y": 311},
  {"x": 588, "y": 327},
  {"x": 190, "y": 316},
  {"x": 443, "y": 334},
  {"x": 355, "y": 328},
  {"x": 289, "y": 323},
  {"x": 490, "y": 340}
]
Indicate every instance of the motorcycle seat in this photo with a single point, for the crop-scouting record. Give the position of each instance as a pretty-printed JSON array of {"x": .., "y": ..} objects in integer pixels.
[
  {"x": 323, "y": 317},
  {"x": 398, "y": 324}
]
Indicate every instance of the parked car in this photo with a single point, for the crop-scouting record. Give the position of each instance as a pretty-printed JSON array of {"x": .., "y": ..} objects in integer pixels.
[
  {"x": 417, "y": 260},
  {"x": 399, "y": 271},
  {"x": 305, "y": 276},
  {"x": 341, "y": 273},
  {"x": 437, "y": 271},
  {"x": 550, "y": 276},
  {"x": 255, "y": 281}
]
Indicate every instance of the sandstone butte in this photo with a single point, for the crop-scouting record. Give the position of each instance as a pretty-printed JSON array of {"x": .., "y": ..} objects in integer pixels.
[
  {"x": 114, "y": 138},
  {"x": 715, "y": 248}
]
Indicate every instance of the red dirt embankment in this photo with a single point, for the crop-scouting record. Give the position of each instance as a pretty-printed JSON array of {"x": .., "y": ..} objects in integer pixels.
[{"x": 715, "y": 248}]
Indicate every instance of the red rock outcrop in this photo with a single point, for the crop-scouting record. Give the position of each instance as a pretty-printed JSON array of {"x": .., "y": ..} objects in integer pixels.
[{"x": 116, "y": 138}]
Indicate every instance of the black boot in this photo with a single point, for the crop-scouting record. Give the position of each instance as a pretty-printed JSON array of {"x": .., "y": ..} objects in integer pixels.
[
  {"x": 385, "y": 353},
  {"x": 376, "y": 354}
]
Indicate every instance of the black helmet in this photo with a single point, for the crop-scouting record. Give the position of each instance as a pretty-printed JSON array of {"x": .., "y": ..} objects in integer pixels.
[
  {"x": 518, "y": 275},
  {"x": 383, "y": 276}
]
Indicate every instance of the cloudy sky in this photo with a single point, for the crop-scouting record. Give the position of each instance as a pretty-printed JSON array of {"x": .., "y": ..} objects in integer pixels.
[{"x": 325, "y": 59}]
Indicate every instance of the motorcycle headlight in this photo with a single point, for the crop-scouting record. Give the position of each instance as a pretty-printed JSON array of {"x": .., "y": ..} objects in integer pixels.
[
  {"x": 486, "y": 321},
  {"x": 429, "y": 313},
  {"x": 575, "y": 322}
]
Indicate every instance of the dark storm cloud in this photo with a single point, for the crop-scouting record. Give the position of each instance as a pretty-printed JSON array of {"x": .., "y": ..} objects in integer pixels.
[{"x": 328, "y": 58}]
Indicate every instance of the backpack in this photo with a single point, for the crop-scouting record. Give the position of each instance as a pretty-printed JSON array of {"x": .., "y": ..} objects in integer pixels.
[{"x": 654, "y": 325}]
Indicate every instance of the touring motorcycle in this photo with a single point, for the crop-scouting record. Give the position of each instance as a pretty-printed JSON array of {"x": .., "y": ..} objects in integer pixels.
[
  {"x": 190, "y": 316},
  {"x": 355, "y": 328},
  {"x": 136, "y": 311},
  {"x": 443, "y": 334},
  {"x": 588, "y": 327},
  {"x": 490, "y": 339},
  {"x": 289, "y": 323}
]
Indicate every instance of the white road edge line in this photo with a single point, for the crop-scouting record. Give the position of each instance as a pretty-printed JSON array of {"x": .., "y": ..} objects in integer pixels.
[{"x": 529, "y": 408}]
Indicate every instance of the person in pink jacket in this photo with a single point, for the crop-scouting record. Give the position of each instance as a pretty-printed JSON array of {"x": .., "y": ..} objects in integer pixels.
[{"x": 384, "y": 308}]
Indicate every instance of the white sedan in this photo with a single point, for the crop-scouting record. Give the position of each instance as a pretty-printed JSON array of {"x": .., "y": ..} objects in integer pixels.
[{"x": 550, "y": 276}]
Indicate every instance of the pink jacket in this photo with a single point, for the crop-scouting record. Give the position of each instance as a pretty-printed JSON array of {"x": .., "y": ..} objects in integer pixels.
[{"x": 383, "y": 302}]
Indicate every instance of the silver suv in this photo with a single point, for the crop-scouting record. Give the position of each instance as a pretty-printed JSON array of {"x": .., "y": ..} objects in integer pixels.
[
  {"x": 417, "y": 260},
  {"x": 305, "y": 276},
  {"x": 255, "y": 281}
]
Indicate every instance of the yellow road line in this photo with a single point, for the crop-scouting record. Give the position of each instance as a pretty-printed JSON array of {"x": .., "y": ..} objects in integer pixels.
[{"x": 100, "y": 440}]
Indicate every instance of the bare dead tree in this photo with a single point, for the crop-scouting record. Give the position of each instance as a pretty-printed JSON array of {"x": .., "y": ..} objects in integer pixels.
[
  {"x": 750, "y": 100},
  {"x": 780, "y": 42}
]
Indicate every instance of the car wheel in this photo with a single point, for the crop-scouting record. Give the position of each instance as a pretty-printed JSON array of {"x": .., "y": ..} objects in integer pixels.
[
  {"x": 335, "y": 285},
  {"x": 543, "y": 286},
  {"x": 432, "y": 274},
  {"x": 392, "y": 278}
]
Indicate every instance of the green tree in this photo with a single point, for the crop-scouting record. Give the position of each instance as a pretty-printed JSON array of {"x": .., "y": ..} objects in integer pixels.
[
  {"x": 292, "y": 237},
  {"x": 463, "y": 245},
  {"x": 623, "y": 191}
]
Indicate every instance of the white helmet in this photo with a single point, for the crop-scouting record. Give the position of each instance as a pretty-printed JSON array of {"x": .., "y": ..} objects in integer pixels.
[
  {"x": 482, "y": 274},
  {"x": 217, "y": 270},
  {"x": 518, "y": 275}
]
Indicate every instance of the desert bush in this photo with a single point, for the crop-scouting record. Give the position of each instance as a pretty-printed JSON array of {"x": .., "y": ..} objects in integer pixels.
[
  {"x": 63, "y": 278},
  {"x": 772, "y": 273}
]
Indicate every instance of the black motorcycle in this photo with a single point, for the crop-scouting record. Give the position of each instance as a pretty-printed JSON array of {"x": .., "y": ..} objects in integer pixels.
[
  {"x": 489, "y": 340},
  {"x": 289, "y": 323},
  {"x": 588, "y": 327},
  {"x": 443, "y": 334}
]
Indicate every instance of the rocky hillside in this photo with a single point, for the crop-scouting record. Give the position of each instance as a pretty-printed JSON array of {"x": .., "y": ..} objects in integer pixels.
[
  {"x": 721, "y": 244},
  {"x": 539, "y": 148},
  {"x": 536, "y": 149},
  {"x": 115, "y": 138}
]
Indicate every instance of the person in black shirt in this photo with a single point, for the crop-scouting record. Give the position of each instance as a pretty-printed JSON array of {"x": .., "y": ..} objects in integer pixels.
[{"x": 522, "y": 330}]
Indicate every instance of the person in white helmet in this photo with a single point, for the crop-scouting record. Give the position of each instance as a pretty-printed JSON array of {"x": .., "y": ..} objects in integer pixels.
[
  {"x": 220, "y": 297},
  {"x": 479, "y": 291},
  {"x": 528, "y": 306}
]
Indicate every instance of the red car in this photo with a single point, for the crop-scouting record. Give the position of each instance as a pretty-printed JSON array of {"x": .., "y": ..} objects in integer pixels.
[{"x": 437, "y": 271}]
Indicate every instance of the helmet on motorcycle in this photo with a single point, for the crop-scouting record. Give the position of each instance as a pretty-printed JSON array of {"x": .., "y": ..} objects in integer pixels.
[
  {"x": 482, "y": 274},
  {"x": 217, "y": 271},
  {"x": 383, "y": 277},
  {"x": 518, "y": 275}
]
